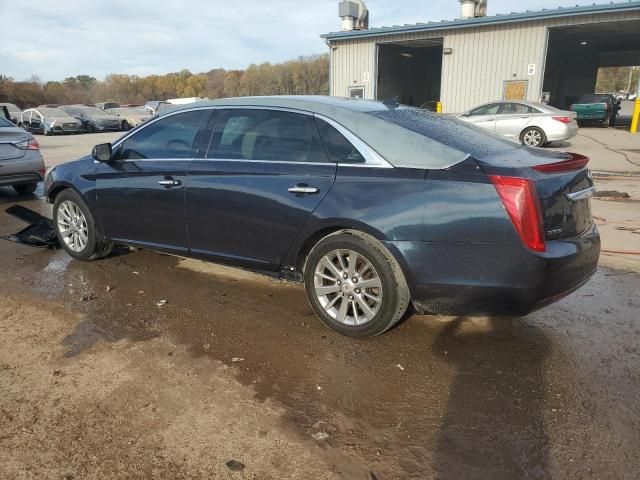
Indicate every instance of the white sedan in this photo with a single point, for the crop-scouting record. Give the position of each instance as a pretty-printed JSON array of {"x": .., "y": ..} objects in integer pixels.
[{"x": 530, "y": 123}]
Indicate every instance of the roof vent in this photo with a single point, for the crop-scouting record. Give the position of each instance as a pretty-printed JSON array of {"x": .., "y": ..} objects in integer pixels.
[
  {"x": 354, "y": 15},
  {"x": 473, "y": 8}
]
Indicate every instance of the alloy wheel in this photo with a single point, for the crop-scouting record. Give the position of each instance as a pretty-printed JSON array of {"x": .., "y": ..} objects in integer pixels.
[
  {"x": 532, "y": 138},
  {"x": 348, "y": 287},
  {"x": 72, "y": 225}
]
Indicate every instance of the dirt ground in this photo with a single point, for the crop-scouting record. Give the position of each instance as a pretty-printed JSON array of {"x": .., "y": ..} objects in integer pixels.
[{"x": 99, "y": 381}]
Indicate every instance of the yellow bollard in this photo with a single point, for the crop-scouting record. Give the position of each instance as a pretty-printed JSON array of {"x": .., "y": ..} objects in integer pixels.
[
  {"x": 636, "y": 116},
  {"x": 439, "y": 107}
]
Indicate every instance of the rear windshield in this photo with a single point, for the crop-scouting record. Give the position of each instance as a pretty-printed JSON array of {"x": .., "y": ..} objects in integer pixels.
[
  {"x": 593, "y": 98},
  {"x": 448, "y": 131}
]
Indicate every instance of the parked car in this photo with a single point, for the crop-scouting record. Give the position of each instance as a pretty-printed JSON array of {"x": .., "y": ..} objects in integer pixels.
[
  {"x": 93, "y": 119},
  {"x": 601, "y": 108},
  {"x": 107, "y": 105},
  {"x": 14, "y": 112},
  {"x": 21, "y": 164},
  {"x": 530, "y": 123},
  {"x": 154, "y": 107},
  {"x": 49, "y": 121},
  {"x": 129, "y": 117},
  {"x": 373, "y": 206}
]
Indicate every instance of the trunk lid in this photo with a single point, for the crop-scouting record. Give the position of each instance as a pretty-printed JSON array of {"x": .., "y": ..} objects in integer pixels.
[
  {"x": 563, "y": 185},
  {"x": 9, "y": 137}
]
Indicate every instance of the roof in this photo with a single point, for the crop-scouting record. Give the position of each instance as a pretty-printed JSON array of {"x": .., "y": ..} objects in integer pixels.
[
  {"x": 393, "y": 142},
  {"x": 489, "y": 20}
]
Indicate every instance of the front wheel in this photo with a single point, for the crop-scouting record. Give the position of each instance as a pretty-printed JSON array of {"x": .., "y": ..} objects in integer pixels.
[
  {"x": 533, "y": 137},
  {"x": 76, "y": 229},
  {"x": 354, "y": 284}
]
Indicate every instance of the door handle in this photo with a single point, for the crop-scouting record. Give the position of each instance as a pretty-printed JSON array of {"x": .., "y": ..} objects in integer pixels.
[
  {"x": 169, "y": 182},
  {"x": 303, "y": 189}
]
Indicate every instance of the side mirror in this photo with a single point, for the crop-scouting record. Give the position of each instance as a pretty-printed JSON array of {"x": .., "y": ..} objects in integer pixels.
[{"x": 102, "y": 152}]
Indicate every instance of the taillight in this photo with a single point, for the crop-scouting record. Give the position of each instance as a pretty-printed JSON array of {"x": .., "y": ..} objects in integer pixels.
[
  {"x": 520, "y": 200},
  {"x": 562, "y": 119},
  {"x": 576, "y": 162},
  {"x": 29, "y": 144}
]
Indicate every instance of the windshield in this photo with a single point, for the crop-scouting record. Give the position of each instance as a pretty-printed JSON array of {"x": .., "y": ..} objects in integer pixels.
[
  {"x": 52, "y": 112},
  {"x": 448, "y": 131},
  {"x": 593, "y": 98},
  {"x": 92, "y": 111}
]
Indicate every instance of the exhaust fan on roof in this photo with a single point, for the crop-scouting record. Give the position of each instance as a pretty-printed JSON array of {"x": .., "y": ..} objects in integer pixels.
[
  {"x": 473, "y": 8},
  {"x": 354, "y": 15}
]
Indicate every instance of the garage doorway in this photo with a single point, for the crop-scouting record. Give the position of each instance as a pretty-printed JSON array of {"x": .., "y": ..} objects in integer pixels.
[
  {"x": 411, "y": 72},
  {"x": 576, "y": 53}
]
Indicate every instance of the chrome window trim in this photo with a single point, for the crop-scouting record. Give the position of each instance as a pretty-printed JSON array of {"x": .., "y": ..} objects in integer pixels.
[
  {"x": 372, "y": 158},
  {"x": 582, "y": 194}
]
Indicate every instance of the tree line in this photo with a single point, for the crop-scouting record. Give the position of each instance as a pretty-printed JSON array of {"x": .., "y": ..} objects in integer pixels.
[
  {"x": 307, "y": 75},
  {"x": 617, "y": 79}
]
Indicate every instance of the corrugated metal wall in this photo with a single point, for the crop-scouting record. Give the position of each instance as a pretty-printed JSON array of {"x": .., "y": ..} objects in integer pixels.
[{"x": 483, "y": 59}]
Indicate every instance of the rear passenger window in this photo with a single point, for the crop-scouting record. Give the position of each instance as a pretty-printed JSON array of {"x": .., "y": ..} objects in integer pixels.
[
  {"x": 174, "y": 136},
  {"x": 339, "y": 148},
  {"x": 248, "y": 134}
]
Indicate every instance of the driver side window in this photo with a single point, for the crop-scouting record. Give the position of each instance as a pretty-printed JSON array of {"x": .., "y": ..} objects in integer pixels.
[{"x": 175, "y": 136}]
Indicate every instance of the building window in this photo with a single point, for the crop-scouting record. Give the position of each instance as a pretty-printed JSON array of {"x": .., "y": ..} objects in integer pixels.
[{"x": 356, "y": 92}]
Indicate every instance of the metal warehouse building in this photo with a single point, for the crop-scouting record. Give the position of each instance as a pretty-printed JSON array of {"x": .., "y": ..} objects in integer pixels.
[{"x": 468, "y": 61}]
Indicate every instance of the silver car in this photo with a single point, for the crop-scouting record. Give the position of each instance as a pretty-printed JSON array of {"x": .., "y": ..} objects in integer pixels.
[
  {"x": 49, "y": 121},
  {"x": 530, "y": 123},
  {"x": 21, "y": 164}
]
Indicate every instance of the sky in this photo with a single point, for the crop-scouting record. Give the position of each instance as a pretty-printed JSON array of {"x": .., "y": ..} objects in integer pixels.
[{"x": 57, "y": 39}]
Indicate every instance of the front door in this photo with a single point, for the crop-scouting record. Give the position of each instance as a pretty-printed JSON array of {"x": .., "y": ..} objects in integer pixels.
[
  {"x": 140, "y": 193},
  {"x": 484, "y": 116},
  {"x": 265, "y": 173}
]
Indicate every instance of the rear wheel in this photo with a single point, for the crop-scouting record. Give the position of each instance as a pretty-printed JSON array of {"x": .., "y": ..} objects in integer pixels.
[
  {"x": 355, "y": 285},
  {"x": 606, "y": 123},
  {"x": 533, "y": 137},
  {"x": 76, "y": 229},
  {"x": 26, "y": 188}
]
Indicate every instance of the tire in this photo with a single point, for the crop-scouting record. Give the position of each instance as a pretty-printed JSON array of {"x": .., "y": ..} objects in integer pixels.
[
  {"x": 66, "y": 208},
  {"x": 580, "y": 123},
  {"x": 126, "y": 126},
  {"x": 374, "y": 265},
  {"x": 26, "y": 188},
  {"x": 46, "y": 132},
  {"x": 605, "y": 123},
  {"x": 533, "y": 137}
]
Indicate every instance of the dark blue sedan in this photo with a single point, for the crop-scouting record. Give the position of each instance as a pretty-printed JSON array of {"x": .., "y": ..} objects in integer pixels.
[{"x": 375, "y": 206}]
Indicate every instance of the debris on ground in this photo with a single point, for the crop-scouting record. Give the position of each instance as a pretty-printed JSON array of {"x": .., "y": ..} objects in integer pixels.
[
  {"x": 161, "y": 303},
  {"x": 400, "y": 367},
  {"x": 235, "y": 466},
  {"x": 611, "y": 194},
  {"x": 237, "y": 359},
  {"x": 88, "y": 297},
  {"x": 320, "y": 436},
  {"x": 39, "y": 233}
]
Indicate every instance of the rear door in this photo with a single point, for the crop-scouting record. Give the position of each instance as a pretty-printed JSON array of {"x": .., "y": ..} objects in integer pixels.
[
  {"x": 513, "y": 118},
  {"x": 140, "y": 193},
  {"x": 265, "y": 172}
]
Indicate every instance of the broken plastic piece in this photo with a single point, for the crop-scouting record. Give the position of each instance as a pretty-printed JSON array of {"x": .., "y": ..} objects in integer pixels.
[{"x": 40, "y": 232}]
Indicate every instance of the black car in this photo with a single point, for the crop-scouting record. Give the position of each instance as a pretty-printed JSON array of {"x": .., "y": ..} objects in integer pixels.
[
  {"x": 375, "y": 206},
  {"x": 93, "y": 119}
]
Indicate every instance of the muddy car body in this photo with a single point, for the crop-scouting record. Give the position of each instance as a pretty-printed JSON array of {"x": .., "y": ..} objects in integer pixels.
[
  {"x": 373, "y": 205},
  {"x": 129, "y": 117},
  {"x": 93, "y": 119}
]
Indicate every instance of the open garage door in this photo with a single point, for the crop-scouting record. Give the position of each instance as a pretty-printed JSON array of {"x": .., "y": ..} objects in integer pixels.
[
  {"x": 575, "y": 54},
  {"x": 410, "y": 71}
]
